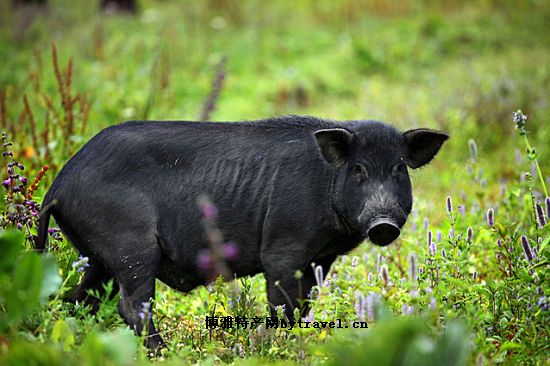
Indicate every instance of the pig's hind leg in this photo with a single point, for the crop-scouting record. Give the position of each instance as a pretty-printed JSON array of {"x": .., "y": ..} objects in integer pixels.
[{"x": 135, "y": 272}]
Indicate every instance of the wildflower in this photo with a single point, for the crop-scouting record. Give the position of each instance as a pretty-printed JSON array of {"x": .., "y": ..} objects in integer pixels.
[
  {"x": 81, "y": 263},
  {"x": 519, "y": 119},
  {"x": 474, "y": 275},
  {"x": 543, "y": 303},
  {"x": 433, "y": 303},
  {"x": 372, "y": 301},
  {"x": 491, "y": 217},
  {"x": 384, "y": 276},
  {"x": 360, "y": 306},
  {"x": 526, "y": 248},
  {"x": 407, "y": 309},
  {"x": 540, "y": 215},
  {"x": 23, "y": 180},
  {"x": 412, "y": 267},
  {"x": 145, "y": 312},
  {"x": 426, "y": 222},
  {"x": 461, "y": 210},
  {"x": 547, "y": 203},
  {"x": 319, "y": 275},
  {"x": 469, "y": 234},
  {"x": 473, "y": 149},
  {"x": 432, "y": 248},
  {"x": 230, "y": 251},
  {"x": 369, "y": 277},
  {"x": 204, "y": 261},
  {"x": 354, "y": 261},
  {"x": 449, "y": 205},
  {"x": 443, "y": 253},
  {"x": 499, "y": 242},
  {"x": 310, "y": 317},
  {"x": 6, "y": 183},
  {"x": 208, "y": 210},
  {"x": 438, "y": 236}
]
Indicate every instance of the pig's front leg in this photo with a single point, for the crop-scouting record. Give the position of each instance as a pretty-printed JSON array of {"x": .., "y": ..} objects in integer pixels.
[{"x": 283, "y": 288}]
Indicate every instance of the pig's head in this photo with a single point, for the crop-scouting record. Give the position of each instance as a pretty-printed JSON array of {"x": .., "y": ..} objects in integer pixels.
[{"x": 372, "y": 192}]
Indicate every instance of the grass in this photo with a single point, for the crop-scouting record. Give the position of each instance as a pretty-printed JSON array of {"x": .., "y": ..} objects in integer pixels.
[{"x": 462, "y": 68}]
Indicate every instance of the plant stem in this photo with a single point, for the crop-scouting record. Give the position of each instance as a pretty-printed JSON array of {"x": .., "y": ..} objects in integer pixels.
[{"x": 539, "y": 172}]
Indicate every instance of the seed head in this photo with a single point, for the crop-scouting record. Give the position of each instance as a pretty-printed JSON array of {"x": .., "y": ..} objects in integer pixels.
[
  {"x": 384, "y": 276},
  {"x": 473, "y": 149},
  {"x": 526, "y": 248},
  {"x": 449, "y": 205},
  {"x": 540, "y": 216},
  {"x": 469, "y": 234},
  {"x": 491, "y": 217},
  {"x": 412, "y": 267},
  {"x": 519, "y": 119}
]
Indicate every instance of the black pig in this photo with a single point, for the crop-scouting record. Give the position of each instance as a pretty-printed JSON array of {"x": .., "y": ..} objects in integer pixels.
[{"x": 289, "y": 191}]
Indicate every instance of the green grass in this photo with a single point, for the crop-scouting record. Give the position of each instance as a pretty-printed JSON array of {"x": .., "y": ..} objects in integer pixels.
[{"x": 462, "y": 68}]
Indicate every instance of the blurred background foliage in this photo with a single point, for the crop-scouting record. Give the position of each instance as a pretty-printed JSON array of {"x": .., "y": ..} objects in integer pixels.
[{"x": 68, "y": 70}]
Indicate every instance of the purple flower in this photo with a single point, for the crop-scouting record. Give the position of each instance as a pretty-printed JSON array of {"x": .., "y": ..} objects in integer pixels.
[
  {"x": 354, "y": 261},
  {"x": 433, "y": 303},
  {"x": 412, "y": 266},
  {"x": 145, "y": 312},
  {"x": 547, "y": 203},
  {"x": 230, "y": 251},
  {"x": 438, "y": 236},
  {"x": 526, "y": 248},
  {"x": 519, "y": 119},
  {"x": 369, "y": 277},
  {"x": 461, "y": 210},
  {"x": 23, "y": 180},
  {"x": 443, "y": 253},
  {"x": 426, "y": 222},
  {"x": 474, "y": 275},
  {"x": 540, "y": 216},
  {"x": 469, "y": 234},
  {"x": 491, "y": 217},
  {"x": 360, "y": 305},
  {"x": 407, "y": 309},
  {"x": 384, "y": 276},
  {"x": 449, "y": 205},
  {"x": 204, "y": 261},
  {"x": 81, "y": 263},
  {"x": 209, "y": 211},
  {"x": 6, "y": 183}
]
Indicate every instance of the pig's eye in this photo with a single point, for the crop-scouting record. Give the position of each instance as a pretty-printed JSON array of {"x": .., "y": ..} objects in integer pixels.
[{"x": 359, "y": 172}]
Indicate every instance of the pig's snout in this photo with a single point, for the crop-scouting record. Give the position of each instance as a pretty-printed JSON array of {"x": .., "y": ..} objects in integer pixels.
[{"x": 383, "y": 231}]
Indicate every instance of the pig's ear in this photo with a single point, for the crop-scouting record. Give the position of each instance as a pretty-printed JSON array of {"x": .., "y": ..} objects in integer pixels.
[
  {"x": 422, "y": 145},
  {"x": 334, "y": 144}
]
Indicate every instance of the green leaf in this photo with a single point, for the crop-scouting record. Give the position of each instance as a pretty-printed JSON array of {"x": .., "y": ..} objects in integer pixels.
[
  {"x": 63, "y": 334},
  {"x": 51, "y": 279},
  {"x": 11, "y": 242},
  {"x": 24, "y": 293}
]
